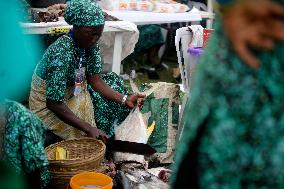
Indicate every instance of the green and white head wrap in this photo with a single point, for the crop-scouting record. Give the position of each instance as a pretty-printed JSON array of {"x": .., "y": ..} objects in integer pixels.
[{"x": 84, "y": 13}]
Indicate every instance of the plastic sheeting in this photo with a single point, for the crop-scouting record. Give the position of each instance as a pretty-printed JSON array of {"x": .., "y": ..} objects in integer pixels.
[{"x": 129, "y": 40}]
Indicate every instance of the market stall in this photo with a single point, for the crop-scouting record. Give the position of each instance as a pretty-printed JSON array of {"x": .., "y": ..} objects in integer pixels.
[
  {"x": 119, "y": 37},
  {"x": 155, "y": 125}
]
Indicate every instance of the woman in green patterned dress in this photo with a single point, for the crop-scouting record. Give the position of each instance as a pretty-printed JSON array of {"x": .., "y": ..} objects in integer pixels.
[
  {"x": 234, "y": 121},
  {"x": 22, "y": 143},
  {"x": 71, "y": 67}
]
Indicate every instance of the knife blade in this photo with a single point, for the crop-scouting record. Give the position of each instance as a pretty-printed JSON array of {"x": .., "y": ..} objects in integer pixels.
[{"x": 129, "y": 147}]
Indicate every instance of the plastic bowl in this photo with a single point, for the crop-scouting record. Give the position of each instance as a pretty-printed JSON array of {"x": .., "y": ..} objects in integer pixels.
[{"x": 100, "y": 180}]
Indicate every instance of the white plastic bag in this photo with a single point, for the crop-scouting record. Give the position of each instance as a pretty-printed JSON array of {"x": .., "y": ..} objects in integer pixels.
[
  {"x": 133, "y": 5},
  {"x": 170, "y": 7},
  {"x": 179, "y": 8},
  {"x": 164, "y": 8},
  {"x": 145, "y": 6},
  {"x": 132, "y": 129},
  {"x": 124, "y": 5},
  {"x": 115, "y": 5}
]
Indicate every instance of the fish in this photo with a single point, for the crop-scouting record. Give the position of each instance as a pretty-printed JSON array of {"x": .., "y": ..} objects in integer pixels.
[{"x": 134, "y": 176}]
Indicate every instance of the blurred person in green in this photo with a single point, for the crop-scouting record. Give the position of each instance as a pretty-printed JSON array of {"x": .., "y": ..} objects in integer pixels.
[
  {"x": 9, "y": 179},
  {"x": 234, "y": 120},
  {"x": 150, "y": 41},
  {"x": 21, "y": 132}
]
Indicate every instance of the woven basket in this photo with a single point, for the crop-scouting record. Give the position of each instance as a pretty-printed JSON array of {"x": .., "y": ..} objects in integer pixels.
[{"x": 84, "y": 154}]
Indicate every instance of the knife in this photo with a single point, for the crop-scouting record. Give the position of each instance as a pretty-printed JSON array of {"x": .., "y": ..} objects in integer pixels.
[{"x": 129, "y": 147}]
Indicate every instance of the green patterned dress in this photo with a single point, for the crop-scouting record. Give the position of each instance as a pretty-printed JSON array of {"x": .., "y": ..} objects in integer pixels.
[
  {"x": 149, "y": 36},
  {"x": 22, "y": 145},
  {"x": 57, "y": 68},
  {"x": 234, "y": 122}
]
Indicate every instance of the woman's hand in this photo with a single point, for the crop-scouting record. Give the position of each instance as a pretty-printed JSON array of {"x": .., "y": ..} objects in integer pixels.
[
  {"x": 253, "y": 23},
  {"x": 134, "y": 99},
  {"x": 100, "y": 86},
  {"x": 65, "y": 114},
  {"x": 97, "y": 133}
]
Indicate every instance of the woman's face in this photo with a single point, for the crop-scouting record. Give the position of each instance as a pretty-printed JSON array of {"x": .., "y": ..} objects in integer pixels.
[{"x": 87, "y": 37}]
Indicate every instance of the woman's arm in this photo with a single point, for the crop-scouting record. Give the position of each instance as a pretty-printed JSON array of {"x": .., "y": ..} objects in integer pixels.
[
  {"x": 94, "y": 68},
  {"x": 55, "y": 93},
  {"x": 62, "y": 111},
  {"x": 101, "y": 87}
]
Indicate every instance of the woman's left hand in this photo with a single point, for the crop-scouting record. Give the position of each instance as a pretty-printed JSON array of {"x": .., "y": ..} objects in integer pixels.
[{"x": 134, "y": 99}]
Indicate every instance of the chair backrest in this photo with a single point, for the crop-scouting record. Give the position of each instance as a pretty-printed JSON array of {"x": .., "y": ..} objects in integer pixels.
[
  {"x": 204, "y": 5},
  {"x": 184, "y": 40},
  {"x": 199, "y": 5}
]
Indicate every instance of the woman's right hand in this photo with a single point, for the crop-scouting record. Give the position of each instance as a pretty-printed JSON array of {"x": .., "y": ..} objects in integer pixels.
[
  {"x": 97, "y": 133},
  {"x": 134, "y": 99}
]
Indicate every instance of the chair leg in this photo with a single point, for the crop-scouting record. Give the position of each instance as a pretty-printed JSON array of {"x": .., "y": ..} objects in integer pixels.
[{"x": 184, "y": 101}]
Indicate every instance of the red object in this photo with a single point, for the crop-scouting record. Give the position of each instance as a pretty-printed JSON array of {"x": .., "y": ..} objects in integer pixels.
[{"x": 206, "y": 35}]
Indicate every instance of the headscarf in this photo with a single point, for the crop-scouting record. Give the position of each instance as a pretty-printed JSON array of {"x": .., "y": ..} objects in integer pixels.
[{"x": 84, "y": 13}]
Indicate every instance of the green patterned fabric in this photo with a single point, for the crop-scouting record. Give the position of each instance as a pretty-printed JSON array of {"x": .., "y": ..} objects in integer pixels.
[
  {"x": 160, "y": 106},
  {"x": 149, "y": 36},
  {"x": 58, "y": 66},
  {"x": 157, "y": 106},
  {"x": 84, "y": 13},
  {"x": 23, "y": 139},
  {"x": 234, "y": 122},
  {"x": 109, "y": 113}
]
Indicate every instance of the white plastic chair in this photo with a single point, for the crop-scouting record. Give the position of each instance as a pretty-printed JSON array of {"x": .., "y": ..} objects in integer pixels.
[{"x": 183, "y": 40}]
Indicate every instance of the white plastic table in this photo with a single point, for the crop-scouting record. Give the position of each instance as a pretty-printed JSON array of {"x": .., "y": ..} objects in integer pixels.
[{"x": 142, "y": 18}]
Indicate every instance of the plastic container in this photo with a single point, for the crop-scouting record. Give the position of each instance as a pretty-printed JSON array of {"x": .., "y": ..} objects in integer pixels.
[
  {"x": 206, "y": 35},
  {"x": 195, "y": 51},
  {"x": 88, "y": 179},
  {"x": 194, "y": 54}
]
